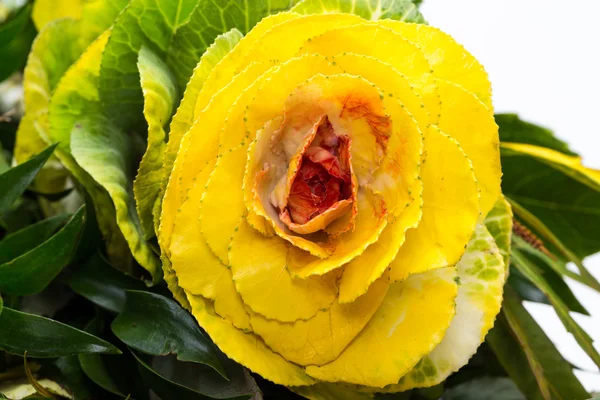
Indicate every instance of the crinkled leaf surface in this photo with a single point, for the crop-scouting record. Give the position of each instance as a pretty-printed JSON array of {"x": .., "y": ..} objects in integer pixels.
[
  {"x": 106, "y": 154},
  {"x": 42, "y": 337},
  {"x": 402, "y": 10},
  {"x": 178, "y": 30},
  {"x": 156, "y": 325},
  {"x": 160, "y": 96},
  {"x": 32, "y": 271}
]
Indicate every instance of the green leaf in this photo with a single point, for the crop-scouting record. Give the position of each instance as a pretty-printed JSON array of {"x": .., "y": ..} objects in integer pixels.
[
  {"x": 485, "y": 388},
  {"x": 550, "y": 270},
  {"x": 528, "y": 265},
  {"x": 402, "y": 10},
  {"x": 209, "y": 19},
  {"x": 102, "y": 284},
  {"x": 160, "y": 97},
  {"x": 14, "y": 181},
  {"x": 116, "y": 375},
  {"x": 102, "y": 152},
  {"x": 515, "y": 130},
  {"x": 499, "y": 223},
  {"x": 106, "y": 154},
  {"x": 175, "y": 380},
  {"x": 14, "y": 26},
  {"x": 28, "y": 238},
  {"x": 53, "y": 51},
  {"x": 32, "y": 271},
  {"x": 142, "y": 22},
  {"x": 559, "y": 249},
  {"x": 177, "y": 30},
  {"x": 563, "y": 203},
  {"x": 97, "y": 16},
  {"x": 14, "y": 52},
  {"x": 73, "y": 377},
  {"x": 529, "y": 357},
  {"x": 527, "y": 290},
  {"x": 156, "y": 325},
  {"x": 42, "y": 337}
]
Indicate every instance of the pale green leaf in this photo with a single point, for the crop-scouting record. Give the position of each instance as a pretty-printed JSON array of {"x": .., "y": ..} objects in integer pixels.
[
  {"x": 106, "y": 153},
  {"x": 53, "y": 51},
  {"x": 209, "y": 19},
  {"x": 499, "y": 222},
  {"x": 178, "y": 30},
  {"x": 101, "y": 151},
  {"x": 160, "y": 96},
  {"x": 402, "y": 10}
]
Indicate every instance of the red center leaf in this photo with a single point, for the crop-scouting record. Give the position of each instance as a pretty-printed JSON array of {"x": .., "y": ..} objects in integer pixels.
[{"x": 322, "y": 180}]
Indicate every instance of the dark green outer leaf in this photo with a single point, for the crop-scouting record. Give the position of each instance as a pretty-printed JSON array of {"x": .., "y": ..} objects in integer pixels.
[
  {"x": 556, "y": 247},
  {"x": 14, "y": 53},
  {"x": 209, "y": 19},
  {"x": 485, "y": 388},
  {"x": 550, "y": 272},
  {"x": 42, "y": 337},
  {"x": 175, "y": 380},
  {"x": 73, "y": 377},
  {"x": 28, "y": 238},
  {"x": 116, "y": 375},
  {"x": 513, "y": 129},
  {"x": 527, "y": 290},
  {"x": 156, "y": 325},
  {"x": 14, "y": 181},
  {"x": 102, "y": 284},
  {"x": 529, "y": 357},
  {"x": 528, "y": 266},
  {"x": 567, "y": 207},
  {"x": 142, "y": 22},
  {"x": 31, "y": 272},
  {"x": 10, "y": 29}
]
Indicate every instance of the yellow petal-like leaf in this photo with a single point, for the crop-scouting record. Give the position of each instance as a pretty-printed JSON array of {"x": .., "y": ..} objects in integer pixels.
[
  {"x": 482, "y": 274},
  {"x": 411, "y": 321},
  {"x": 246, "y": 348},
  {"x": 471, "y": 123},
  {"x": 450, "y": 209},
  {"x": 322, "y": 338},
  {"x": 259, "y": 271},
  {"x": 454, "y": 63}
]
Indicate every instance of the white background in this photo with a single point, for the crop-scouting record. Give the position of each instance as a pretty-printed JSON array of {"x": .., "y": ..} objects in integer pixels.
[{"x": 543, "y": 58}]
